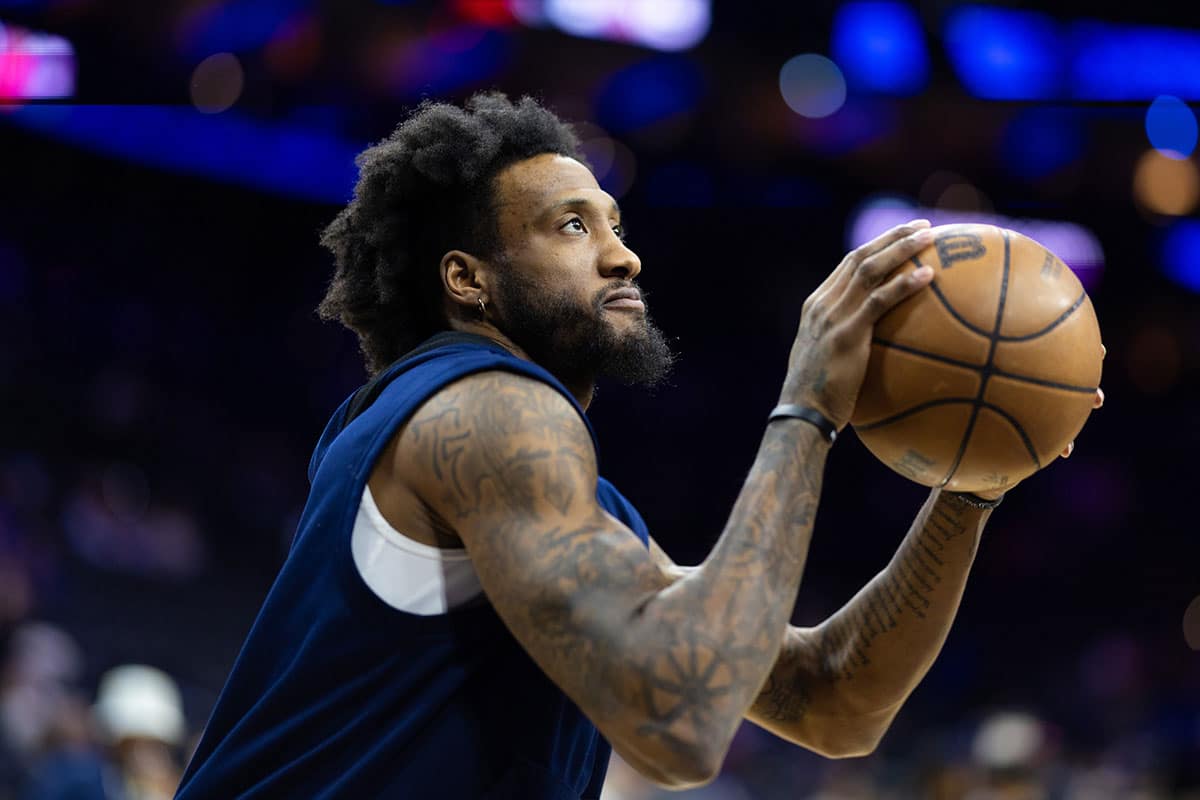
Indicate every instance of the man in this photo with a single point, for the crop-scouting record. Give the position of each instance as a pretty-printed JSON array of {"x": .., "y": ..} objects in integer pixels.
[{"x": 469, "y": 609}]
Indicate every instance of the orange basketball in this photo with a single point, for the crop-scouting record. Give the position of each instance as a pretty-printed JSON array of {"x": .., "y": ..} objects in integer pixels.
[{"x": 984, "y": 376}]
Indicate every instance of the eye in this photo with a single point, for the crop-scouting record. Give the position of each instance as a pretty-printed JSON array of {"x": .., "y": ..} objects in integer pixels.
[
  {"x": 619, "y": 230},
  {"x": 575, "y": 225}
]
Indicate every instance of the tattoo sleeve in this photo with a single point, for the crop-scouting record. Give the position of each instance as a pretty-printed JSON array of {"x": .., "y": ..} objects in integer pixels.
[
  {"x": 665, "y": 668},
  {"x": 848, "y": 677}
]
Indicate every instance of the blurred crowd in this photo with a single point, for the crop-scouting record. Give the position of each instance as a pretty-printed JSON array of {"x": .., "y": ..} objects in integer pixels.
[
  {"x": 129, "y": 740},
  {"x": 58, "y": 742},
  {"x": 1005, "y": 755}
]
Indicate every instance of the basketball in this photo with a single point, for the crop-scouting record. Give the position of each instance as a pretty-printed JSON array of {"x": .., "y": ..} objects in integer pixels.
[{"x": 983, "y": 377}]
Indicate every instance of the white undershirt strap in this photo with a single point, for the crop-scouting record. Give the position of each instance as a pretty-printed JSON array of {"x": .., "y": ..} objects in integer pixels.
[{"x": 405, "y": 574}]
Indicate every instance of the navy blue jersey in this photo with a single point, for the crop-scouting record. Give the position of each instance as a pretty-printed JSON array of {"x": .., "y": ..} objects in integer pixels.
[{"x": 335, "y": 694}]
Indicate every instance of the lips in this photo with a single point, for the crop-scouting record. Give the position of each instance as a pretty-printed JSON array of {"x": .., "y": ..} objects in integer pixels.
[{"x": 625, "y": 298}]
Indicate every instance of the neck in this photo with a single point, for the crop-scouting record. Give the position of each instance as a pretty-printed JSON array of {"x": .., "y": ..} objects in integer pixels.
[{"x": 581, "y": 388}]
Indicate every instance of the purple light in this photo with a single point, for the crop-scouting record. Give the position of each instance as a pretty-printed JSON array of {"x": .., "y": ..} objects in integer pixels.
[
  {"x": 1076, "y": 245},
  {"x": 35, "y": 65},
  {"x": 659, "y": 24}
]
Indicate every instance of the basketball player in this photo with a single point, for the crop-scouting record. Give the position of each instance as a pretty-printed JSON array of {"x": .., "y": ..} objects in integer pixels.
[{"x": 468, "y": 609}]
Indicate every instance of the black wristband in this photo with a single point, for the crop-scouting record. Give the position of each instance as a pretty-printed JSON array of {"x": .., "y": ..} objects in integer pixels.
[
  {"x": 975, "y": 501},
  {"x": 809, "y": 415}
]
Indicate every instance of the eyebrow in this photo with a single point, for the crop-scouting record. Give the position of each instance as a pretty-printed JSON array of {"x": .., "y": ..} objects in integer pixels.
[{"x": 582, "y": 201}]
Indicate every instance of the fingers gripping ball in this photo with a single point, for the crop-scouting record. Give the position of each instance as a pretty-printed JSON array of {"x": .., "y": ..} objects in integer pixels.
[{"x": 985, "y": 376}]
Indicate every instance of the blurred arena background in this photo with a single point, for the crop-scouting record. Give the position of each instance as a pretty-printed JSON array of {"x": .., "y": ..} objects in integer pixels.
[{"x": 167, "y": 166}]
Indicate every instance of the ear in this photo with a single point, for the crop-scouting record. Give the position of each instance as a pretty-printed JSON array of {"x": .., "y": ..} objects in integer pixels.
[{"x": 465, "y": 278}]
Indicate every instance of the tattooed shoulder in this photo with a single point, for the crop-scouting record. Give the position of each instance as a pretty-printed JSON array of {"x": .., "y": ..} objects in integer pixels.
[{"x": 482, "y": 437}]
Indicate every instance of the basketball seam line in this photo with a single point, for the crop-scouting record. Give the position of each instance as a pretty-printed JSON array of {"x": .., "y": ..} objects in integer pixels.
[
  {"x": 986, "y": 372},
  {"x": 948, "y": 401},
  {"x": 1017, "y": 427},
  {"x": 1069, "y": 387},
  {"x": 908, "y": 412},
  {"x": 1061, "y": 319},
  {"x": 999, "y": 373},
  {"x": 1022, "y": 338}
]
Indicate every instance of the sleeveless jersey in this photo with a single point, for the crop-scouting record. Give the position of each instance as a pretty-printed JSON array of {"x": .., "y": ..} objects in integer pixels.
[{"x": 337, "y": 695}]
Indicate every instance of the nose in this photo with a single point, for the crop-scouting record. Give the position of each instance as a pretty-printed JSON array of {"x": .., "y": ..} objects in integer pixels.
[{"x": 618, "y": 261}]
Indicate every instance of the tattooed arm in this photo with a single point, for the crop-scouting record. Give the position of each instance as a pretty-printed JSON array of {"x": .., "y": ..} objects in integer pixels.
[
  {"x": 665, "y": 669},
  {"x": 836, "y": 688}
]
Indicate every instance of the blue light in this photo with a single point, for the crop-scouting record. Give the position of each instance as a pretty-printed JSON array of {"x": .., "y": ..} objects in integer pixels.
[
  {"x": 1171, "y": 127},
  {"x": 648, "y": 92},
  {"x": 284, "y": 159},
  {"x": 880, "y": 47},
  {"x": 1114, "y": 62},
  {"x": 1181, "y": 253},
  {"x": 1001, "y": 54},
  {"x": 1039, "y": 141}
]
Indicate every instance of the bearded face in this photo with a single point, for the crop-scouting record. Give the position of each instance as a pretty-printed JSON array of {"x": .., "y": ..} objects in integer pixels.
[{"x": 563, "y": 287}]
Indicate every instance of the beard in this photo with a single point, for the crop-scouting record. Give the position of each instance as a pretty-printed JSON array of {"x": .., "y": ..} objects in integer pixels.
[{"x": 575, "y": 342}]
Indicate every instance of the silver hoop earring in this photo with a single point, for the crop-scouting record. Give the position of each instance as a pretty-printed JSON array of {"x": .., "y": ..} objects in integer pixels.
[{"x": 482, "y": 307}]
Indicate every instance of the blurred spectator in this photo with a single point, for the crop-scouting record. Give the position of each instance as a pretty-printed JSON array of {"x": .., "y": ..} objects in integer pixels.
[
  {"x": 140, "y": 713},
  {"x": 72, "y": 765},
  {"x": 122, "y": 748}
]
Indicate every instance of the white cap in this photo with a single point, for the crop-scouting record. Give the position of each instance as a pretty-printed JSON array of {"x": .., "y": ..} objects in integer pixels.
[
  {"x": 135, "y": 700},
  {"x": 1008, "y": 739}
]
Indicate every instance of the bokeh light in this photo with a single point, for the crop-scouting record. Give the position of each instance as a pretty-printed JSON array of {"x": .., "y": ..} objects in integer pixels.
[
  {"x": 881, "y": 47},
  {"x": 670, "y": 24},
  {"x": 1078, "y": 246},
  {"x": 1166, "y": 185},
  {"x": 1171, "y": 127},
  {"x": 486, "y": 12},
  {"x": 35, "y": 65},
  {"x": 1003, "y": 54},
  {"x": 1181, "y": 253},
  {"x": 1132, "y": 62},
  {"x": 217, "y": 83},
  {"x": 812, "y": 85},
  {"x": 579, "y": 17},
  {"x": 660, "y": 24},
  {"x": 1008, "y": 739}
]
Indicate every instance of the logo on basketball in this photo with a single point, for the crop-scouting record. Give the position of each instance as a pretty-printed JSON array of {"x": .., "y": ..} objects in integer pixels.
[{"x": 954, "y": 247}]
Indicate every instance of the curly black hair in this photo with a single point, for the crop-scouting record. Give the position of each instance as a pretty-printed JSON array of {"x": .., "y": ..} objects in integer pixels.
[{"x": 425, "y": 190}]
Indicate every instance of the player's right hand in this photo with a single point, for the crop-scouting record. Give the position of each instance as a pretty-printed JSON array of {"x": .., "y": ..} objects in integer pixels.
[{"x": 831, "y": 349}]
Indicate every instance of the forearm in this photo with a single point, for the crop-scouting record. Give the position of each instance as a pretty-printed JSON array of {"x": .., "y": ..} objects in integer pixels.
[
  {"x": 860, "y": 665},
  {"x": 876, "y": 649},
  {"x": 714, "y": 635}
]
